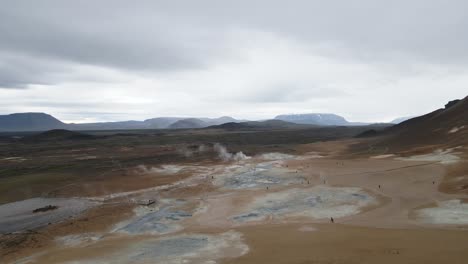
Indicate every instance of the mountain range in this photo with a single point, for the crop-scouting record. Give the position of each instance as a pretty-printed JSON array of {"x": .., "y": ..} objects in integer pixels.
[{"x": 43, "y": 122}]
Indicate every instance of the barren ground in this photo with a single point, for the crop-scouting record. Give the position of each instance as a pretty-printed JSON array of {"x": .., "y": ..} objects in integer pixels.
[{"x": 273, "y": 208}]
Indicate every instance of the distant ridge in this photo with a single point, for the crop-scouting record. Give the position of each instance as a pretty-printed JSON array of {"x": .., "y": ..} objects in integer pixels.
[
  {"x": 319, "y": 119},
  {"x": 401, "y": 119},
  {"x": 29, "y": 122},
  {"x": 43, "y": 122}
]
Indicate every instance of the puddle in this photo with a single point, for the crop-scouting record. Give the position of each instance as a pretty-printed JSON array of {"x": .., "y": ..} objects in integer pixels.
[
  {"x": 164, "y": 169},
  {"x": 313, "y": 155},
  {"x": 449, "y": 212},
  {"x": 19, "y": 216},
  {"x": 384, "y": 156},
  {"x": 318, "y": 202}
]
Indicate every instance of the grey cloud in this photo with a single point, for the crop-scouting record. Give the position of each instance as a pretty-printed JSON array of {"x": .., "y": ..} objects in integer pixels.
[
  {"x": 17, "y": 72},
  {"x": 160, "y": 36},
  {"x": 430, "y": 30},
  {"x": 107, "y": 46},
  {"x": 284, "y": 92},
  {"x": 103, "y": 34}
]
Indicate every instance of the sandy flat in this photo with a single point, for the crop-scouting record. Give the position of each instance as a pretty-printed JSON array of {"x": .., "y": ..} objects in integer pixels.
[
  {"x": 347, "y": 244},
  {"x": 383, "y": 208}
]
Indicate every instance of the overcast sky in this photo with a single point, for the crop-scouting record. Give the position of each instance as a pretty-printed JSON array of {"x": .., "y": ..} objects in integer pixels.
[{"x": 369, "y": 60}]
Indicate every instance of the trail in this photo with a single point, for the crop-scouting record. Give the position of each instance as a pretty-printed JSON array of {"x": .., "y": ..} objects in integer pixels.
[{"x": 387, "y": 170}]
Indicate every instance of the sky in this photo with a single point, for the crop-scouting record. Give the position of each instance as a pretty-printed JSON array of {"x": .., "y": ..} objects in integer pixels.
[{"x": 113, "y": 60}]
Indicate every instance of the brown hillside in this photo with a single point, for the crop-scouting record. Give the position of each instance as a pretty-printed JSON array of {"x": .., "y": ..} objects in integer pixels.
[{"x": 443, "y": 128}]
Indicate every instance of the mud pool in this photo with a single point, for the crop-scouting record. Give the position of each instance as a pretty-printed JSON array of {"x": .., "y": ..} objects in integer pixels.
[
  {"x": 184, "y": 248},
  {"x": 317, "y": 202},
  {"x": 261, "y": 175},
  {"x": 78, "y": 240},
  {"x": 450, "y": 212},
  {"x": 162, "y": 219}
]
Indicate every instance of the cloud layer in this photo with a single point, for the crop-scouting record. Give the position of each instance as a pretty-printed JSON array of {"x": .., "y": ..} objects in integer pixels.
[{"x": 111, "y": 60}]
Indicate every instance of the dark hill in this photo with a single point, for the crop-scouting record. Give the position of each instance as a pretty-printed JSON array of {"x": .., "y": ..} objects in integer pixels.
[
  {"x": 315, "y": 119},
  {"x": 442, "y": 128},
  {"x": 29, "y": 122},
  {"x": 188, "y": 123},
  {"x": 448, "y": 125},
  {"x": 268, "y": 124},
  {"x": 58, "y": 134}
]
